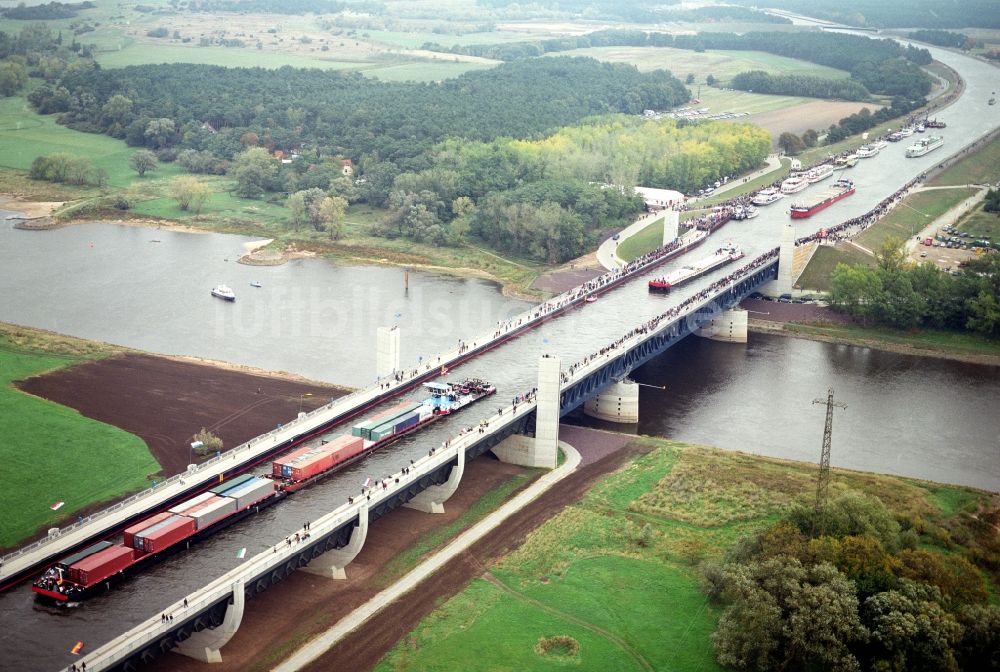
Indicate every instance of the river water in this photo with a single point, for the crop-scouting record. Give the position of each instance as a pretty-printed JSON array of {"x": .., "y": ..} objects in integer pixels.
[{"x": 910, "y": 416}]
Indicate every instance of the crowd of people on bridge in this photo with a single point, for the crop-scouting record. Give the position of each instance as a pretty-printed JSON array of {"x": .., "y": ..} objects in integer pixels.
[
  {"x": 649, "y": 326},
  {"x": 854, "y": 226}
]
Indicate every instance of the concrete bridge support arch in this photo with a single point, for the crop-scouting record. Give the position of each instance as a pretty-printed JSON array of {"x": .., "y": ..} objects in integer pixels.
[
  {"x": 617, "y": 403},
  {"x": 543, "y": 450},
  {"x": 386, "y": 351},
  {"x": 205, "y": 645},
  {"x": 332, "y": 563},
  {"x": 729, "y": 326},
  {"x": 432, "y": 499}
]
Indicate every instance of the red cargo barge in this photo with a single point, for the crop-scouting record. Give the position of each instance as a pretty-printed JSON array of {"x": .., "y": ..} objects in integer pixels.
[
  {"x": 100, "y": 566},
  {"x": 97, "y": 568},
  {"x": 841, "y": 189},
  {"x": 305, "y": 466}
]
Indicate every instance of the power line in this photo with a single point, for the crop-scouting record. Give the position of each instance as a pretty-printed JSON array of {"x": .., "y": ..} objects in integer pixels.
[{"x": 823, "y": 481}]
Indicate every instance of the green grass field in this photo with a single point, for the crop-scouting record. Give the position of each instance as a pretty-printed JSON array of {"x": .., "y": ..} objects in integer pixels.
[
  {"x": 25, "y": 135},
  {"x": 724, "y": 65},
  {"x": 982, "y": 167},
  {"x": 912, "y": 214},
  {"x": 144, "y": 53},
  {"x": 616, "y": 571},
  {"x": 51, "y": 453},
  {"x": 718, "y": 100},
  {"x": 645, "y": 241},
  {"x": 816, "y": 274},
  {"x": 423, "y": 71},
  {"x": 980, "y": 223},
  {"x": 416, "y": 39}
]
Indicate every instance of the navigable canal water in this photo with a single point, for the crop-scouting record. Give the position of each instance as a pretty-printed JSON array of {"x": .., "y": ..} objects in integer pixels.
[
  {"x": 912, "y": 416},
  {"x": 149, "y": 289}
]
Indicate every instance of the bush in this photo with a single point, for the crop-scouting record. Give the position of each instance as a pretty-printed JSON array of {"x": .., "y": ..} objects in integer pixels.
[
  {"x": 158, "y": 32},
  {"x": 211, "y": 444}
]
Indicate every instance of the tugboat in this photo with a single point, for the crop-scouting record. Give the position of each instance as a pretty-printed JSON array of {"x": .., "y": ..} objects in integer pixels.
[{"x": 224, "y": 292}]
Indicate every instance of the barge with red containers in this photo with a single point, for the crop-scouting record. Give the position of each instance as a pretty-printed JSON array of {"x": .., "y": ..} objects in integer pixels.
[
  {"x": 841, "y": 189},
  {"x": 98, "y": 567},
  {"x": 304, "y": 466}
]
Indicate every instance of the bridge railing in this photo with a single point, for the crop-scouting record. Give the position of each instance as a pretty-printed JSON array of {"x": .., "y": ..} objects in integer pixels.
[
  {"x": 308, "y": 421},
  {"x": 150, "y": 630},
  {"x": 144, "y": 633}
]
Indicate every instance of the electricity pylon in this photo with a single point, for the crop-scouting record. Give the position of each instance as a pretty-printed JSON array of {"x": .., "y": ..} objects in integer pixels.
[{"x": 824, "y": 460}]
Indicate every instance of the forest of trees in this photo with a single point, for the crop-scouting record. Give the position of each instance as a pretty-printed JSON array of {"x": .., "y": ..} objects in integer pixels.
[
  {"x": 895, "y": 13},
  {"x": 853, "y": 587},
  {"x": 864, "y": 119},
  {"x": 880, "y": 66},
  {"x": 759, "y": 81},
  {"x": 943, "y": 38},
  {"x": 212, "y": 108},
  {"x": 550, "y": 199},
  {"x": 46, "y": 12},
  {"x": 904, "y": 295}
]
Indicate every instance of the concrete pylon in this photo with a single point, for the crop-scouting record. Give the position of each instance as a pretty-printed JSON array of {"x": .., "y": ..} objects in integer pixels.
[
  {"x": 729, "y": 326},
  {"x": 387, "y": 351},
  {"x": 617, "y": 403},
  {"x": 432, "y": 499},
  {"x": 205, "y": 645},
  {"x": 786, "y": 260},
  {"x": 671, "y": 226},
  {"x": 543, "y": 450},
  {"x": 332, "y": 563}
]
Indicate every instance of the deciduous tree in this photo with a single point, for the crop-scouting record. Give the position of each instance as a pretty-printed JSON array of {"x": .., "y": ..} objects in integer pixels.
[
  {"x": 143, "y": 161},
  {"x": 189, "y": 192}
]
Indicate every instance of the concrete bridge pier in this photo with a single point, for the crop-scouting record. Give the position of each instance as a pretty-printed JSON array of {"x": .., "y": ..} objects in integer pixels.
[
  {"x": 432, "y": 499},
  {"x": 205, "y": 645},
  {"x": 386, "y": 351},
  {"x": 786, "y": 260},
  {"x": 729, "y": 326},
  {"x": 332, "y": 563},
  {"x": 617, "y": 403},
  {"x": 543, "y": 450},
  {"x": 671, "y": 226}
]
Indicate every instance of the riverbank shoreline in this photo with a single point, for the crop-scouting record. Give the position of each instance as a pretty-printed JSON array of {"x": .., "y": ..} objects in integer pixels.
[
  {"x": 37, "y": 216},
  {"x": 54, "y": 342},
  {"x": 830, "y": 333}
]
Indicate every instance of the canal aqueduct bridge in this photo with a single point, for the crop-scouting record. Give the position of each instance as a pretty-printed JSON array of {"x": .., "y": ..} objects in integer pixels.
[{"x": 525, "y": 433}]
